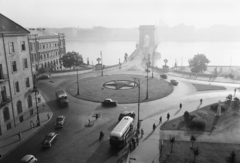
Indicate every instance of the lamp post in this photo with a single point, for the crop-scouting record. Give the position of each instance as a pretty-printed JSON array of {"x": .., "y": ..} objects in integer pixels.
[
  {"x": 77, "y": 81},
  {"x": 101, "y": 61},
  {"x": 35, "y": 90},
  {"x": 138, "y": 125},
  {"x": 153, "y": 62},
  {"x": 147, "y": 79}
]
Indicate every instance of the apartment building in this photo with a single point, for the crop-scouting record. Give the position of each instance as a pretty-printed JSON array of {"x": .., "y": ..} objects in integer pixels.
[
  {"x": 16, "y": 83},
  {"x": 46, "y": 49}
]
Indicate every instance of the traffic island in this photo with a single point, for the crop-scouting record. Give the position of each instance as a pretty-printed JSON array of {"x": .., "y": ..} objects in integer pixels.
[{"x": 121, "y": 88}]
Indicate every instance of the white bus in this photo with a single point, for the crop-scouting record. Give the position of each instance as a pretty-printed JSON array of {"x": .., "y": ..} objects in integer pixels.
[{"x": 121, "y": 134}]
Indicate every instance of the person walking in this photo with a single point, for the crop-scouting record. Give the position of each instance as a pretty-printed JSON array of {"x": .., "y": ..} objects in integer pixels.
[
  {"x": 142, "y": 133},
  {"x": 48, "y": 115},
  {"x": 180, "y": 106},
  {"x": 154, "y": 126},
  {"x": 20, "y": 136},
  {"x": 168, "y": 116},
  {"x": 96, "y": 116},
  {"x": 200, "y": 101},
  {"x": 160, "y": 119}
]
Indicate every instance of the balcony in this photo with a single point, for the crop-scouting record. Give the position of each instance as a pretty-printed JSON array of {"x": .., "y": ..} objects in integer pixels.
[
  {"x": 3, "y": 102},
  {"x": 3, "y": 78}
]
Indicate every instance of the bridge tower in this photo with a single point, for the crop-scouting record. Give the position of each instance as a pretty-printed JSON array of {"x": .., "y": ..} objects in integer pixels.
[{"x": 147, "y": 36}]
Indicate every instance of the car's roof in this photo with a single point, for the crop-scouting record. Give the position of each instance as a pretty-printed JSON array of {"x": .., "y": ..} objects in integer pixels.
[
  {"x": 127, "y": 112},
  {"x": 27, "y": 157},
  {"x": 51, "y": 134},
  {"x": 60, "y": 116},
  {"x": 108, "y": 99}
]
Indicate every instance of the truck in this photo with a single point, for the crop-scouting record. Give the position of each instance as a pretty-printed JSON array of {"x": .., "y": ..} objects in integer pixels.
[{"x": 61, "y": 97}]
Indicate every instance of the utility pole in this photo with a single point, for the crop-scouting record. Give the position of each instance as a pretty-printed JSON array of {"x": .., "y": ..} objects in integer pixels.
[{"x": 101, "y": 61}]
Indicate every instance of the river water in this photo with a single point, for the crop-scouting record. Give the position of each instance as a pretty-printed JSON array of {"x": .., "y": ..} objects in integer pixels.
[{"x": 219, "y": 53}]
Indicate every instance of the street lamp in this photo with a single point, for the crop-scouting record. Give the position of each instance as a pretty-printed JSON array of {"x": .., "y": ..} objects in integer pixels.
[
  {"x": 153, "y": 62},
  {"x": 77, "y": 81},
  {"x": 138, "y": 124},
  {"x": 148, "y": 63},
  {"x": 35, "y": 90},
  {"x": 101, "y": 61}
]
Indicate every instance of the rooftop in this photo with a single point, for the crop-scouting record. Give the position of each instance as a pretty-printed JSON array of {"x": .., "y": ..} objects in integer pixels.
[{"x": 7, "y": 26}]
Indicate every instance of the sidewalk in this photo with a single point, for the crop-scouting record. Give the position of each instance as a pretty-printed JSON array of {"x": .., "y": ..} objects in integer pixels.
[
  {"x": 148, "y": 149},
  {"x": 10, "y": 140}
]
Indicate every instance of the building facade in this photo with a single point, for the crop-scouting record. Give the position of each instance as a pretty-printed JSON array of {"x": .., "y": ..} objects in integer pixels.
[
  {"x": 46, "y": 49},
  {"x": 16, "y": 82}
]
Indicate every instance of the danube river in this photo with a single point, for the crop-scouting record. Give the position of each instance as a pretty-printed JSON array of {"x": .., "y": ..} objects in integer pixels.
[{"x": 219, "y": 53}]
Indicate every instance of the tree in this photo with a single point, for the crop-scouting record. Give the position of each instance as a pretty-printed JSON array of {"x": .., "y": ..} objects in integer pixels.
[
  {"x": 172, "y": 140},
  {"x": 196, "y": 153},
  {"x": 192, "y": 139},
  {"x": 231, "y": 158},
  {"x": 198, "y": 63},
  {"x": 71, "y": 59}
]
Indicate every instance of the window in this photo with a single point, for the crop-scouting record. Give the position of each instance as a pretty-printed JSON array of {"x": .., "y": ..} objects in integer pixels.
[
  {"x": 11, "y": 47},
  {"x": 27, "y": 82},
  {"x": 16, "y": 86},
  {"x": 25, "y": 64},
  {"x": 29, "y": 100},
  {"x": 6, "y": 115},
  {"x": 19, "y": 107},
  {"x": 9, "y": 126},
  {"x": 14, "y": 66},
  {"x": 23, "y": 47}
]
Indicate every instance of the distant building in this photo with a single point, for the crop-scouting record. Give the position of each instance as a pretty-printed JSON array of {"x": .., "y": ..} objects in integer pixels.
[
  {"x": 46, "y": 49},
  {"x": 16, "y": 83}
]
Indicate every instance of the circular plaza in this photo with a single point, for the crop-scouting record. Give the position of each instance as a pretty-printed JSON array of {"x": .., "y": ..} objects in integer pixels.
[{"x": 123, "y": 88}]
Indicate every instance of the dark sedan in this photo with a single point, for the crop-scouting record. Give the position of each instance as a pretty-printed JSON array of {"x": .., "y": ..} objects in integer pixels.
[
  {"x": 164, "y": 76},
  {"x": 49, "y": 139},
  {"x": 109, "y": 102}
]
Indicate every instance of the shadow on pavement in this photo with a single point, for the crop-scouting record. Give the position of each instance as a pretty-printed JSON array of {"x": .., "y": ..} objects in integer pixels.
[{"x": 214, "y": 123}]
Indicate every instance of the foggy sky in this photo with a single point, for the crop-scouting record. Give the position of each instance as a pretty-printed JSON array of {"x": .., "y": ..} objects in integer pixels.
[{"x": 120, "y": 13}]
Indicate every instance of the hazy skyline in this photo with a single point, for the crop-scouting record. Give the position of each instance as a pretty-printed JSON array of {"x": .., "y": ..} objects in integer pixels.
[{"x": 120, "y": 13}]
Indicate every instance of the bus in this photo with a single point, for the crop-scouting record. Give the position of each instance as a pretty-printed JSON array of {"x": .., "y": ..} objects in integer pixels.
[
  {"x": 61, "y": 97},
  {"x": 123, "y": 132}
]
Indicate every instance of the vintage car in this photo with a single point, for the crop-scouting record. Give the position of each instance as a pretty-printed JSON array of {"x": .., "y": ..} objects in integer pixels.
[
  {"x": 174, "y": 82},
  {"x": 60, "y": 121},
  {"x": 126, "y": 113},
  {"x": 109, "y": 102},
  {"x": 164, "y": 76},
  {"x": 61, "y": 97},
  {"x": 28, "y": 159},
  {"x": 49, "y": 139}
]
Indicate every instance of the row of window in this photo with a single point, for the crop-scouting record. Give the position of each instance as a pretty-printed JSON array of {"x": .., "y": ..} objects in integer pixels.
[
  {"x": 6, "y": 112},
  {"x": 17, "y": 85},
  {"x": 15, "y": 67},
  {"x": 12, "y": 49}
]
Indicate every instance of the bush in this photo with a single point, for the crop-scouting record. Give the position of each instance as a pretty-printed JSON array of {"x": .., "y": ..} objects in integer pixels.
[
  {"x": 214, "y": 107},
  {"x": 187, "y": 117},
  {"x": 202, "y": 115},
  {"x": 198, "y": 122}
]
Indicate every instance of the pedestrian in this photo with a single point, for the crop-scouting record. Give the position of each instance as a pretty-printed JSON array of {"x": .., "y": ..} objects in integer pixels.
[
  {"x": 133, "y": 143},
  {"x": 154, "y": 126},
  {"x": 168, "y": 116},
  {"x": 142, "y": 133},
  {"x": 160, "y": 119},
  {"x": 89, "y": 121},
  {"x": 200, "y": 101},
  {"x": 137, "y": 141},
  {"x": 31, "y": 124},
  {"x": 48, "y": 116},
  {"x": 180, "y": 106},
  {"x": 96, "y": 116},
  {"x": 20, "y": 136}
]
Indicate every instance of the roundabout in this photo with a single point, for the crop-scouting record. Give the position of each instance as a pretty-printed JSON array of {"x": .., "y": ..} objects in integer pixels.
[{"x": 121, "y": 88}]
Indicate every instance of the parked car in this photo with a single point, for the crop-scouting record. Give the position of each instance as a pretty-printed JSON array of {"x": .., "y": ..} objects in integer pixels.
[
  {"x": 44, "y": 76},
  {"x": 49, "y": 139},
  {"x": 174, "y": 82},
  {"x": 126, "y": 113},
  {"x": 164, "y": 76},
  {"x": 60, "y": 121},
  {"x": 29, "y": 159},
  {"x": 109, "y": 102}
]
